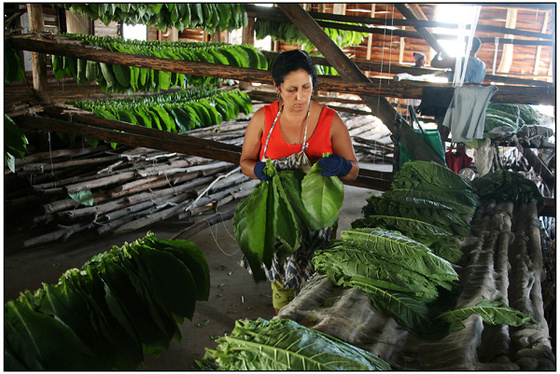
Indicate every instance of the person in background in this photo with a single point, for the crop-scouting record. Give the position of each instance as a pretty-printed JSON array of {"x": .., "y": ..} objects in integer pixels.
[
  {"x": 476, "y": 69},
  {"x": 419, "y": 59},
  {"x": 294, "y": 132}
]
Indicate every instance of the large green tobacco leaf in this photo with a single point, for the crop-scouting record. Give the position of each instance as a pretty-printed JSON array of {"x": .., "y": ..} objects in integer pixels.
[
  {"x": 241, "y": 233},
  {"x": 70, "y": 307},
  {"x": 191, "y": 256},
  {"x": 504, "y": 185},
  {"x": 401, "y": 250},
  {"x": 124, "y": 343},
  {"x": 43, "y": 342},
  {"x": 282, "y": 345},
  {"x": 162, "y": 269},
  {"x": 444, "y": 217},
  {"x": 322, "y": 196},
  {"x": 342, "y": 263},
  {"x": 492, "y": 312},
  {"x": 288, "y": 227},
  {"x": 291, "y": 181},
  {"x": 260, "y": 224},
  {"x": 383, "y": 242},
  {"x": 442, "y": 242},
  {"x": 410, "y": 312},
  {"x": 150, "y": 324},
  {"x": 428, "y": 199}
]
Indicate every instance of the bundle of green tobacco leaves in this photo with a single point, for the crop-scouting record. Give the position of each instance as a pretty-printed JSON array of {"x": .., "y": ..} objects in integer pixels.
[
  {"x": 406, "y": 281},
  {"x": 279, "y": 213},
  {"x": 174, "y": 112},
  {"x": 438, "y": 179},
  {"x": 104, "y": 316},
  {"x": 427, "y": 202},
  {"x": 123, "y": 78},
  {"x": 282, "y": 345},
  {"x": 504, "y": 185}
]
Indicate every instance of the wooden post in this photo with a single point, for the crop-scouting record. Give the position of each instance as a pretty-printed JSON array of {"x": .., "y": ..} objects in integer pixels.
[
  {"x": 248, "y": 37},
  {"x": 39, "y": 65}
]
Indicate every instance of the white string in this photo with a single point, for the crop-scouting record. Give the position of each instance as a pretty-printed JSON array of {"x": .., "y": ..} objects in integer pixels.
[
  {"x": 210, "y": 186},
  {"x": 216, "y": 240}
]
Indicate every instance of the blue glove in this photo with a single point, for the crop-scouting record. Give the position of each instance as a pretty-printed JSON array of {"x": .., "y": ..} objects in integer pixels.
[
  {"x": 259, "y": 171},
  {"x": 335, "y": 165}
]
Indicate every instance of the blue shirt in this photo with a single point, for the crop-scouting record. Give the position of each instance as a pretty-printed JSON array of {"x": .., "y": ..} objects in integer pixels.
[{"x": 476, "y": 71}]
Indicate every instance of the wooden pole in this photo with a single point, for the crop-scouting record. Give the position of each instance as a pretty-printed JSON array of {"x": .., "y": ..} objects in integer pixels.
[
  {"x": 182, "y": 143},
  {"x": 39, "y": 64},
  {"x": 384, "y": 87}
]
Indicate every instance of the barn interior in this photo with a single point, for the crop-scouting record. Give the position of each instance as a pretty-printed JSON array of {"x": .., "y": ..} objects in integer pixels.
[{"x": 92, "y": 175}]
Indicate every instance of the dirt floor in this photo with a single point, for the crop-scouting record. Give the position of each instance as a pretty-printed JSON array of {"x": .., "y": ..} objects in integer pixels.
[{"x": 234, "y": 295}]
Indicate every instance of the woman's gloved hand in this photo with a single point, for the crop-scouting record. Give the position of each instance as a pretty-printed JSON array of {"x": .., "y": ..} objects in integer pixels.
[
  {"x": 335, "y": 165},
  {"x": 259, "y": 171}
]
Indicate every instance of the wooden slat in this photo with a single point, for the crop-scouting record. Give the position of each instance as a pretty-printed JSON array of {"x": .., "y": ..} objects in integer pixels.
[{"x": 376, "y": 88}]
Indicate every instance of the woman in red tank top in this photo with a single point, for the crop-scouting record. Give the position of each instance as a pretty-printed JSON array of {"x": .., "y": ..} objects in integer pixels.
[
  {"x": 293, "y": 132},
  {"x": 297, "y": 117}
]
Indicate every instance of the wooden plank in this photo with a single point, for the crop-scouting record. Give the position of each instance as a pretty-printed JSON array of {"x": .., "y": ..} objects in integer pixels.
[
  {"x": 380, "y": 106},
  {"x": 507, "y": 52},
  {"x": 383, "y": 88}
]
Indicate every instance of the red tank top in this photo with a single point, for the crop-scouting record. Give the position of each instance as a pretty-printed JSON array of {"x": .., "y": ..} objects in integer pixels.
[{"x": 319, "y": 143}]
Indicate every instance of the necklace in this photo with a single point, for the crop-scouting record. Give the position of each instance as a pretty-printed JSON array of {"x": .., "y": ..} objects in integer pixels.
[{"x": 304, "y": 143}]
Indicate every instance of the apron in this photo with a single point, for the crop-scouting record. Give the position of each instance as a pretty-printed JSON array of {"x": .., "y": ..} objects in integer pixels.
[{"x": 293, "y": 271}]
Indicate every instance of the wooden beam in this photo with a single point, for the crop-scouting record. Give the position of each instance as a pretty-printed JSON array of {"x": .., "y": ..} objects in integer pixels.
[
  {"x": 351, "y": 73},
  {"x": 39, "y": 63},
  {"x": 135, "y": 136},
  {"x": 273, "y": 14},
  {"x": 547, "y": 39},
  {"x": 379, "y": 88},
  {"x": 424, "y": 32},
  {"x": 366, "y": 65}
]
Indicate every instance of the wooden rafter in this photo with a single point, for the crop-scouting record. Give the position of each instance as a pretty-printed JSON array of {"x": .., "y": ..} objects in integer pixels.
[
  {"x": 424, "y": 32},
  {"x": 351, "y": 73}
]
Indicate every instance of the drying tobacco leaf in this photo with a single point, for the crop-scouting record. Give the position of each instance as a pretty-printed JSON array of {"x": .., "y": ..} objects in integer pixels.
[{"x": 283, "y": 344}]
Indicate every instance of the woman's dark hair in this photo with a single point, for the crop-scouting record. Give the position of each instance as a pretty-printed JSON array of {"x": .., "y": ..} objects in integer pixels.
[{"x": 290, "y": 61}]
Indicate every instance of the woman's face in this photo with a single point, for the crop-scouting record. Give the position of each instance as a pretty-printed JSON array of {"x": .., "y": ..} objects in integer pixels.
[{"x": 296, "y": 90}]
